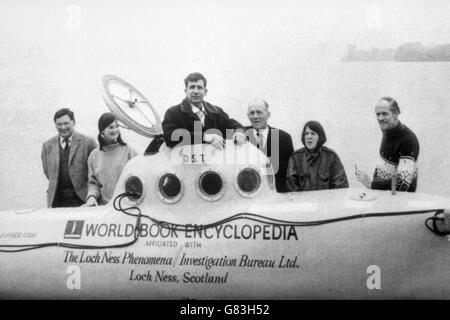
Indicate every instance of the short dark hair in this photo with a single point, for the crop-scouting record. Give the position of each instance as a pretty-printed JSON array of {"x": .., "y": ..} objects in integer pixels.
[
  {"x": 103, "y": 122},
  {"x": 393, "y": 105},
  {"x": 62, "y": 112},
  {"x": 194, "y": 77}
]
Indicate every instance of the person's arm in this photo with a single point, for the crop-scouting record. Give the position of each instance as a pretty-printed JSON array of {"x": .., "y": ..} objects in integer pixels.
[
  {"x": 94, "y": 185},
  {"x": 292, "y": 175},
  {"x": 362, "y": 177},
  {"x": 287, "y": 148},
  {"x": 91, "y": 145},
  {"x": 169, "y": 125},
  {"x": 174, "y": 133},
  {"x": 338, "y": 178},
  {"x": 405, "y": 173},
  {"x": 225, "y": 122},
  {"x": 379, "y": 184},
  {"x": 406, "y": 168},
  {"x": 44, "y": 160}
]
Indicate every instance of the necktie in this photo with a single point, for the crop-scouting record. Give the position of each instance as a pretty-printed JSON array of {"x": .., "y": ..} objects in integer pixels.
[
  {"x": 201, "y": 116},
  {"x": 66, "y": 143}
]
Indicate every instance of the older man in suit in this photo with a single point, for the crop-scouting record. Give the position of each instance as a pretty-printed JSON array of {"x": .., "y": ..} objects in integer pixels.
[
  {"x": 275, "y": 143},
  {"x": 195, "y": 121},
  {"x": 64, "y": 159}
]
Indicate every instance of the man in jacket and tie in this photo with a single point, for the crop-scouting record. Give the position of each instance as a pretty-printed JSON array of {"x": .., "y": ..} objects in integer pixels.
[
  {"x": 275, "y": 143},
  {"x": 64, "y": 159},
  {"x": 195, "y": 121}
]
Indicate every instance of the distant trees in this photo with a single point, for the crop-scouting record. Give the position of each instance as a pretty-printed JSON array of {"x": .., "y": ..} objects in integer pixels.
[{"x": 412, "y": 51}]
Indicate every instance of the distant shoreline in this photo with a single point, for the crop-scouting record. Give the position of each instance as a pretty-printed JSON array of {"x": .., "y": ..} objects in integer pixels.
[{"x": 408, "y": 52}]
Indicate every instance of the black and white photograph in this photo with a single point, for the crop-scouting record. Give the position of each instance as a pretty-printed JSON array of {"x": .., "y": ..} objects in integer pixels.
[{"x": 225, "y": 150}]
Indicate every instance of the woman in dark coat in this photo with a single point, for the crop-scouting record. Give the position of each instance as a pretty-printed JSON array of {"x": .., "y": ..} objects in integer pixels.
[{"x": 315, "y": 167}]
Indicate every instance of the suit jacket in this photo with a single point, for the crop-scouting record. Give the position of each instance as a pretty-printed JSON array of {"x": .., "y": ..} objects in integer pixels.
[
  {"x": 79, "y": 152},
  {"x": 182, "y": 117},
  {"x": 278, "y": 153}
]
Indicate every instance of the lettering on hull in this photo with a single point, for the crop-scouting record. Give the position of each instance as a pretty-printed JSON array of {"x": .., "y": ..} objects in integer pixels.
[
  {"x": 166, "y": 256},
  {"x": 184, "y": 268},
  {"x": 225, "y": 231}
]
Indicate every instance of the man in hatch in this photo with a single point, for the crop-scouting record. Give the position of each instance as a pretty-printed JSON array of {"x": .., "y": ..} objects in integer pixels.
[{"x": 197, "y": 121}]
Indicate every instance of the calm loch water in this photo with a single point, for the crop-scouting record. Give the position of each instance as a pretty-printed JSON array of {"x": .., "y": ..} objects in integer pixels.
[{"x": 339, "y": 95}]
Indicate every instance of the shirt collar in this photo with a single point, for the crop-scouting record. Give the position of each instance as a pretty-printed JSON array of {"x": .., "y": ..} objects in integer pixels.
[
  {"x": 196, "y": 109},
  {"x": 61, "y": 139},
  {"x": 264, "y": 132}
]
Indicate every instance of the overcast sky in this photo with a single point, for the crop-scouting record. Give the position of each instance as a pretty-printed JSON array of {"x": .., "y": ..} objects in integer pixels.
[{"x": 40, "y": 31}]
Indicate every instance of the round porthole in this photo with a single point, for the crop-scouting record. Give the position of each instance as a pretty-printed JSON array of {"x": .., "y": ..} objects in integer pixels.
[
  {"x": 210, "y": 186},
  {"x": 248, "y": 182},
  {"x": 170, "y": 188},
  {"x": 134, "y": 187}
]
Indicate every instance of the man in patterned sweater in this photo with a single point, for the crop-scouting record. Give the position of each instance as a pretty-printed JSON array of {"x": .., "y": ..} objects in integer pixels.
[{"x": 398, "y": 152}]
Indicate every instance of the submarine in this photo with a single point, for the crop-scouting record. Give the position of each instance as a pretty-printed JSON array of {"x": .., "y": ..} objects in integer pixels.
[{"x": 195, "y": 222}]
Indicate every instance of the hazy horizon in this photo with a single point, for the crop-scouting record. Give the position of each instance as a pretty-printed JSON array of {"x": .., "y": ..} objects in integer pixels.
[{"x": 33, "y": 32}]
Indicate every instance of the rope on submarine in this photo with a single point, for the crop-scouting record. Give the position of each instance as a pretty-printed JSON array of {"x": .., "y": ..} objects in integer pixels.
[{"x": 188, "y": 227}]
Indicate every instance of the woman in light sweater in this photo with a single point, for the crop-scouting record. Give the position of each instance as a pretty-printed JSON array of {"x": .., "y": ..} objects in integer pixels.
[{"x": 107, "y": 161}]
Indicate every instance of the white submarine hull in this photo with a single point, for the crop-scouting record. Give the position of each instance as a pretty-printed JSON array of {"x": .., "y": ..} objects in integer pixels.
[
  {"x": 330, "y": 244},
  {"x": 378, "y": 257}
]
